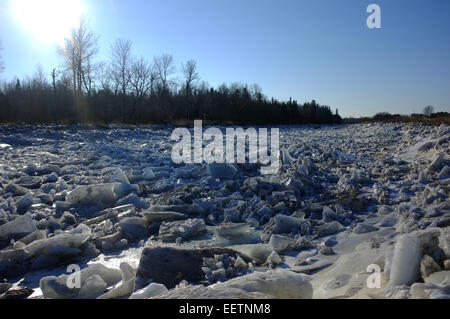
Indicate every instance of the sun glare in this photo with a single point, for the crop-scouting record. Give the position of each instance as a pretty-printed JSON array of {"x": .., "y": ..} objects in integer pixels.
[{"x": 50, "y": 21}]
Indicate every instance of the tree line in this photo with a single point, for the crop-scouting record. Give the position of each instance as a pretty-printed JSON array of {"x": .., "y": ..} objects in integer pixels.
[
  {"x": 133, "y": 90},
  {"x": 428, "y": 115}
]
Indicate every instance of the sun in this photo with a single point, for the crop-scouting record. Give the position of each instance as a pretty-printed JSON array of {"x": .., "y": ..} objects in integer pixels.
[{"x": 50, "y": 21}]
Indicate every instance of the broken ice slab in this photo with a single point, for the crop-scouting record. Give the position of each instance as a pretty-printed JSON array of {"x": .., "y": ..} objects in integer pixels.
[
  {"x": 186, "y": 229},
  {"x": 61, "y": 207},
  {"x": 346, "y": 158},
  {"x": 126, "y": 288},
  {"x": 405, "y": 267},
  {"x": 105, "y": 193},
  {"x": 286, "y": 224},
  {"x": 16, "y": 190},
  {"x": 108, "y": 213},
  {"x": 282, "y": 284},
  {"x": 281, "y": 243},
  {"x": 189, "y": 209},
  {"x": 119, "y": 176},
  {"x": 24, "y": 202},
  {"x": 156, "y": 217},
  {"x": 287, "y": 159},
  {"x": 232, "y": 230},
  {"x": 135, "y": 200},
  {"x": 57, "y": 287},
  {"x": 18, "y": 228},
  {"x": 148, "y": 174},
  {"x": 73, "y": 238},
  {"x": 152, "y": 290},
  {"x": 257, "y": 252},
  {"x": 222, "y": 170}
]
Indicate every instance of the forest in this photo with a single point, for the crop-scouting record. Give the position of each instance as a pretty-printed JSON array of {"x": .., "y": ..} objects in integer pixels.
[{"x": 131, "y": 89}]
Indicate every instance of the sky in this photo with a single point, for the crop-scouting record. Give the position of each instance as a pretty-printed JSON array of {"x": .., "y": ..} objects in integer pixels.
[{"x": 299, "y": 49}]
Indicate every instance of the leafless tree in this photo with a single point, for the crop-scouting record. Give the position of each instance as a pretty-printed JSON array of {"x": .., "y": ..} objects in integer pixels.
[
  {"x": 2, "y": 65},
  {"x": 54, "y": 74},
  {"x": 191, "y": 76},
  {"x": 103, "y": 76},
  {"x": 142, "y": 78},
  {"x": 79, "y": 50},
  {"x": 256, "y": 92},
  {"x": 165, "y": 69},
  {"x": 428, "y": 110},
  {"x": 121, "y": 62},
  {"x": 39, "y": 79}
]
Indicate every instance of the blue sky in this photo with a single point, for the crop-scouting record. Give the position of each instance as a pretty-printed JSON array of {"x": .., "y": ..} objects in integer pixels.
[{"x": 304, "y": 49}]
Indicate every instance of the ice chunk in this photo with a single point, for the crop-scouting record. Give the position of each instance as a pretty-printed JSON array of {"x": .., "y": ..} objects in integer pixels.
[
  {"x": 439, "y": 278},
  {"x": 445, "y": 173},
  {"x": 405, "y": 267},
  {"x": 286, "y": 224},
  {"x": 18, "y": 228},
  {"x": 36, "y": 235},
  {"x": 202, "y": 292},
  {"x": 30, "y": 169},
  {"x": 436, "y": 162},
  {"x": 148, "y": 174},
  {"x": 274, "y": 259},
  {"x": 240, "y": 263},
  {"x": 106, "y": 193},
  {"x": 364, "y": 228},
  {"x": 222, "y": 170},
  {"x": 189, "y": 209},
  {"x": 151, "y": 290},
  {"x": 16, "y": 190},
  {"x": 93, "y": 287},
  {"x": 135, "y": 200},
  {"x": 156, "y": 217},
  {"x": 328, "y": 214},
  {"x": 232, "y": 230},
  {"x": 134, "y": 228},
  {"x": 73, "y": 238},
  {"x": 24, "y": 202},
  {"x": 257, "y": 252},
  {"x": 57, "y": 287},
  {"x": 127, "y": 286},
  {"x": 170, "y": 231},
  {"x": 428, "y": 266},
  {"x": 31, "y": 182},
  {"x": 282, "y": 284},
  {"x": 346, "y": 158},
  {"x": 119, "y": 176},
  {"x": 281, "y": 243},
  {"x": 330, "y": 229},
  {"x": 286, "y": 158},
  {"x": 169, "y": 266}
]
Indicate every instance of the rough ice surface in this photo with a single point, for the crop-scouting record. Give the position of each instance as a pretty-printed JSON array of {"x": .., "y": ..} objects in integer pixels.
[
  {"x": 151, "y": 290},
  {"x": 348, "y": 201}
]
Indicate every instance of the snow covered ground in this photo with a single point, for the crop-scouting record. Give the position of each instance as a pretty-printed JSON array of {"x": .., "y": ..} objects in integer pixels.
[{"x": 358, "y": 211}]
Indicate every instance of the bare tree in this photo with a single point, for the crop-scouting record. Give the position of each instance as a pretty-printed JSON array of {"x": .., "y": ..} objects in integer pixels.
[
  {"x": 103, "y": 75},
  {"x": 121, "y": 62},
  {"x": 256, "y": 92},
  {"x": 191, "y": 76},
  {"x": 39, "y": 79},
  {"x": 428, "y": 110},
  {"x": 2, "y": 65},
  {"x": 54, "y": 74},
  {"x": 79, "y": 50},
  {"x": 142, "y": 78},
  {"x": 165, "y": 68}
]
